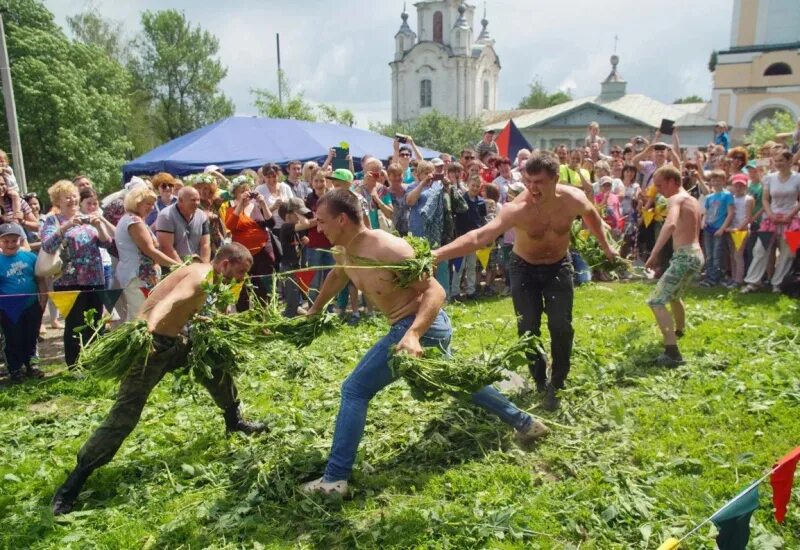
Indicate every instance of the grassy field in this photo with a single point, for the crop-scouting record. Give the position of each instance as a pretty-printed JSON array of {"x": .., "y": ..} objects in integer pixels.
[{"x": 637, "y": 453}]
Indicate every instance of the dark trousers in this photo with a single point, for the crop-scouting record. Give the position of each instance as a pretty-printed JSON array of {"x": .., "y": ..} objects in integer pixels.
[
  {"x": 89, "y": 298},
  {"x": 135, "y": 388},
  {"x": 20, "y": 337},
  {"x": 262, "y": 284},
  {"x": 537, "y": 289}
]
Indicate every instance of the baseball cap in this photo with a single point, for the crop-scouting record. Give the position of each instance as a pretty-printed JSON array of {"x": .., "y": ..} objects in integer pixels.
[
  {"x": 436, "y": 161},
  {"x": 739, "y": 178},
  {"x": 606, "y": 180},
  {"x": 660, "y": 145},
  {"x": 296, "y": 204},
  {"x": 11, "y": 229},
  {"x": 752, "y": 164},
  {"x": 341, "y": 174}
]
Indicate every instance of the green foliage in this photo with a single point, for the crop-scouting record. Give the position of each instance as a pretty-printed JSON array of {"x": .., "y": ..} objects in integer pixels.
[
  {"x": 175, "y": 64},
  {"x": 437, "y": 131},
  {"x": 293, "y": 105},
  {"x": 766, "y": 130},
  {"x": 637, "y": 453},
  {"x": 539, "y": 98},
  {"x": 89, "y": 27},
  {"x": 712, "y": 62},
  {"x": 689, "y": 99},
  {"x": 71, "y": 101}
]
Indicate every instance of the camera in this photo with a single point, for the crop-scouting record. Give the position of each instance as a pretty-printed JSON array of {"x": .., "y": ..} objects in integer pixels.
[
  {"x": 253, "y": 194},
  {"x": 401, "y": 138},
  {"x": 84, "y": 219}
]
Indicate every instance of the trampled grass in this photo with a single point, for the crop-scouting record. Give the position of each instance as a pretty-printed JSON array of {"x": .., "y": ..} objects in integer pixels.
[{"x": 637, "y": 453}]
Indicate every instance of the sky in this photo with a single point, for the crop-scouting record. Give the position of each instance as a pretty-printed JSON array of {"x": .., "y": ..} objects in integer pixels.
[{"x": 338, "y": 52}]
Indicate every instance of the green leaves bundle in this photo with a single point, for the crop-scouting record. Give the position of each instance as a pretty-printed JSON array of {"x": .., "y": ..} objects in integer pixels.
[
  {"x": 115, "y": 353},
  {"x": 585, "y": 244},
  {"x": 435, "y": 373},
  {"x": 407, "y": 272}
]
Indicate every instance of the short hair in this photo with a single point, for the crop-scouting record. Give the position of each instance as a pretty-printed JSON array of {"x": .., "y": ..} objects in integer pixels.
[
  {"x": 503, "y": 160},
  {"x": 163, "y": 178},
  {"x": 342, "y": 201},
  {"x": 602, "y": 165},
  {"x": 669, "y": 172},
  {"x": 543, "y": 162},
  {"x": 492, "y": 191},
  {"x": 394, "y": 168},
  {"x": 137, "y": 196},
  {"x": 594, "y": 124},
  {"x": 87, "y": 194},
  {"x": 718, "y": 174},
  {"x": 59, "y": 188},
  {"x": 454, "y": 167},
  {"x": 373, "y": 160},
  {"x": 473, "y": 178},
  {"x": 81, "y": 177},
  {"x": 424, "y": 166},
  {"x": 292, "y": 163},
  {"x": 465, "y": 151},
  {"x": 629, "y": 168},
  {"x": 235, "y": 253}
]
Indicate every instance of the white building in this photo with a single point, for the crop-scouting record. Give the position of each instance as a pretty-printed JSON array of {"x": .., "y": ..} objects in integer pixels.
[{"x": 442, "y": 67}]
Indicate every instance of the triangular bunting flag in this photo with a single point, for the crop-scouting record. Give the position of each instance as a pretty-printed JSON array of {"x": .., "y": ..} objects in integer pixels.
[
  {"x": 13, "y": 306},
  {"x": 510, "y": 140},
  {"x": 145, "y": 291},
  {"x": 483, "y": 256},
  {"x": 765, "y": 238},
  {"x": 781, "y": 481},
  {"x": 648, "y": 216},
  {"x": 64, "y": 300},
  {"x": 733, "y": 520},
  {"x": 738, "y": 236},
  {"x": 793, "y": 240},
  {"x": 457, "y": 263},
  {"x": 670, "y": 544},
  {"x": 110, "y": 297},
  {"x": 237, "y": 290}
]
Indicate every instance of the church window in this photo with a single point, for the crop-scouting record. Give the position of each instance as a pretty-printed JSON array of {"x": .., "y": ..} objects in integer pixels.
[
  {"x": 486, "y": 94},
  {"x": 425, "y": 93},
  {"x": 777, "y": 69},
  {"x": 437, "y": 27}
]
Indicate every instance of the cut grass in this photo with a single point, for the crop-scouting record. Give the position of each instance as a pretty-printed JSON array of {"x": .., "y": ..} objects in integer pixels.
[{"x": 641, "y": 454}]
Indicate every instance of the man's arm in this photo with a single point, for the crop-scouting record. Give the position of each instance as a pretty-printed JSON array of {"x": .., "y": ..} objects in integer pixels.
[
  {"x": 333, "y": 284},
  {"x": 644, "y": 155},
  {"x": 432, "y": 297},
  {"x": 166, "y": 242},
  {"x": 417, "y": 152},
  {"x": 595, "y": 225},
  {"x": 673, "y": 211},
  {"x": 205, "y": 248},
  {"x": 412, "y": 197},
  {"x": 477, "y": 238}
]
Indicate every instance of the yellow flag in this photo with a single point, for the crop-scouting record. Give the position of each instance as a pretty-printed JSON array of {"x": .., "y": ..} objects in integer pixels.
[
  {"x": 483, "y": 256},
  {"x": 237, "y": 290},
  {"x": 670, "y": 544},
  {"x": 648, "y": 216},
  {"x": 64, "y": 300},
  {"x": 738, "y": 237}
]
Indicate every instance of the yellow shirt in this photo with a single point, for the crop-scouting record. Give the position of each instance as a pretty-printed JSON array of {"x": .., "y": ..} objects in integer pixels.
[
  {"x": 570, "y": 176},
  {"x": 659, "y": 203}
]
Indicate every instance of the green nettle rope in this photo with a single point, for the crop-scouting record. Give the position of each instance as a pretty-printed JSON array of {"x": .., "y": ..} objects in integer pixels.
[
  {"x": 585, "y": 244},
  {"x": 116, "y": 353}
]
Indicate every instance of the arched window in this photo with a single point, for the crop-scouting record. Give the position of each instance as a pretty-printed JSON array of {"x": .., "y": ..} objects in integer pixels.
[
  {"x": 777, "y": 69},
  {"x": 425, "y": 93},
  {"x": 486, "y": 94},
  {"x": 437, "y": 27}
]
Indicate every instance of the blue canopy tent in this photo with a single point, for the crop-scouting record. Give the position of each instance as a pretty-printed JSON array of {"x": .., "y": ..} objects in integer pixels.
[{"x": 237, "y": 143}]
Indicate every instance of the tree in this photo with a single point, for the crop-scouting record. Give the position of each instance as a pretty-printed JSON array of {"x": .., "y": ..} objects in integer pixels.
[
  {"x": 689, "y": 99},
  {"x": 539, "y": 98},
  {"x": 293, "y": 105},
  {"x": 71, "y": 101},
  {"x": 712, "y": 62},
  {"x": 437, "y": 131},
  {"x": 767, "y": 129},
  {"x": 89, "y": 27},
  {"x": 174, "y": 64}
]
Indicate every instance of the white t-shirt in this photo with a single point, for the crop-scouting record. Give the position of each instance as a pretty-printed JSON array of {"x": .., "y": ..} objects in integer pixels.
[
  {"x": 627, "y": 198},
  {"x": 284, "y": 192},
  {"x": 740, "y": 210},
  {"x": 783, "y": 194}
]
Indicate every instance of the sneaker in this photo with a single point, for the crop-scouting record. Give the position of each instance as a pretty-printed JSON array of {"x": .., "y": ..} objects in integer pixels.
[
  {"x": 732, "y": 285},
  {"x": 551, "y": 402},
  {"x": 666, "y": 361},
  {"x": 536, "y": 430},
  {"x": 320, "y": 486},
  {"x": 748, "y": 288}
]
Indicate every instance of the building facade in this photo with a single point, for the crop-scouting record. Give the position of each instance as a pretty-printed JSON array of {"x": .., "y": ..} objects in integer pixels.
[
  {"x": 760, "y": 73},
  {"x": 442, "y": 66}
]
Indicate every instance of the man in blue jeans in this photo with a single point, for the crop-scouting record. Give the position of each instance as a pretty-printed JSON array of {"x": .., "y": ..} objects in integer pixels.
[
  {"x": 417, "y": 320},
  {"x": 540, "y": 268}
]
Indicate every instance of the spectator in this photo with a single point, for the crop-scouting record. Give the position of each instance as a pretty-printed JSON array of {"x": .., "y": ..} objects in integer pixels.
[
  {"x": 397, "y": 194},
  {"x": 473, "y": 218},
  {"x": 249, "y": 220},
  {"x": 294, "y": 213},
  {"x": 8, "y": 172},
  {"x": 609, "y": 205},
  {"x": 573, "y": 174},
  {"x": 629, "y": 208},
  {"x": 13, "y": 208},
  {"x": 140, "y": 260},
  {"x": 375, "y": 195},
  {"x": 90, "y": 206},
  {"x": 78, "y": 239},
  {"x": 742, "y": 212},
  {"x": 318, "y": 247},
  {"x": 487, "y": 144},
  {"x": 274, "y": 192},
  {"x": 82, "y": 183},
  {"x": 721, "y": 135},
  {"x": 562, "y": 152},
  {"x": 491, "y": 196},
  {"x": 402, "y": 155},
  {"x": 504, "y": 178},
  {"x": 294, "y": 171},
  {"x": 113, "y": 205},
  {"x": 183, "y": 228},
  {"x": 35, "y": 242},
  {"x": 446, "y": 159},
  {"x": 593, "y": 137},
  {"x": 514, "y": 190},
  {"x": 164, "y": 185},
  {"x": 738, "y": 160},
  {"x": 20, "y": 316},
  {"x": 717, "y": 217},
  {"x": 755, "y": 190},
  {"x": 307, "y": 174},
  {"x": 781, "y": 202},
  {"x": 214, "y": 206},
  {"x": 693, "y": 180}
]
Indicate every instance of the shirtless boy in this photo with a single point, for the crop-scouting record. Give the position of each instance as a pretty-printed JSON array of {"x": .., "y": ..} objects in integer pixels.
[
  {"x": 416, "y": 318},
  {"x": 540, "y": 267},
  {"x": 683, "y": 225},
  {"x": 167, "y": 309}
]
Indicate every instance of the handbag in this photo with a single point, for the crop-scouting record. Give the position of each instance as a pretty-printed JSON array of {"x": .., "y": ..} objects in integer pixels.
[{"x": 49, "y": 265}]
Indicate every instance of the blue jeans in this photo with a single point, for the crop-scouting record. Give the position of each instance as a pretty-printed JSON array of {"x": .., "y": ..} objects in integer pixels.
[
  {"x": 714, "y": 250},
  {"x": 318, "y": 257},
  {"x": 582, "y": 272},
  {"x": 373, "y": 373}
]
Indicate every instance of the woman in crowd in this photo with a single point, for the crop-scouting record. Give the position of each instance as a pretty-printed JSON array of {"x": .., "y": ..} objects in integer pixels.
[
  {"x": 213, "y": 205},
  {"x": 90, "y": 206},
  {"x": 397, "y": 194},
  {"x": 307, "y": 173},
  {"x": 138, "y": 269},
  {"x": 77, "y": 238},
  {"x": 34, "y": 239},
  {"x": 738, "y": 161},
  {"x": 274, "y": 191},
  {"x": 164, "y": 185},
  {"x": 318, "y": 247},
  {"x": 249, "y": 219},
  {"x": 781, "y": 203}
]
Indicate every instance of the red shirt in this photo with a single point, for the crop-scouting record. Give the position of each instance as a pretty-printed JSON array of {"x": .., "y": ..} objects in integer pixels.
[{"x": 316, "y": 239}]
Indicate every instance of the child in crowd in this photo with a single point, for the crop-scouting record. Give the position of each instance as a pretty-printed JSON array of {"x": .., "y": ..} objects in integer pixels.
[
  {"x": 742, "y": 212},
  {"x": 507, "y": 245},
  {"x": 473, "y": 218},
  {"x": 20, "y": 308},
  {"x": 491, "y": 196},
  {"x": 294, "y": 215},
  {"x": 716, "y": 219}
]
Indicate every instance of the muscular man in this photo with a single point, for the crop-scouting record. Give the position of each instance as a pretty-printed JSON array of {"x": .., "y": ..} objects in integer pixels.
[
  {"x": 540, "y": 269},
  {"x": 416, "y": 319},
  {"x": 167, "y": 309},
  {"x": 683, "y": 226}
]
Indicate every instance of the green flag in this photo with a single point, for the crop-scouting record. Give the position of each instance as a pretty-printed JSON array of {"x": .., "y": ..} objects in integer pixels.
[{"x": 733, "y": 520}]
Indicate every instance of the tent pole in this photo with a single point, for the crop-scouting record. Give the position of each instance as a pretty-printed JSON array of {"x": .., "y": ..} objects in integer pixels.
[{"x": 280, "y": 76}]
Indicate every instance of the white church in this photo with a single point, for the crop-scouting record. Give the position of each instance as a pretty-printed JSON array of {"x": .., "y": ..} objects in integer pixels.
[{"x": 443, "y": 66}]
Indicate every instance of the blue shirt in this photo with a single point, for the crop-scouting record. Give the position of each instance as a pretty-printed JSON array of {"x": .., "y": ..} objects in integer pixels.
[
  {"x": 416, "y": 222},
  {"x": 17, "y": 275},
  {"x": 474, "y": 217},
  {"x": 408, "y": 177},
  {"x": 722, "y": 139},
  {"x": 717, "y": 209}
]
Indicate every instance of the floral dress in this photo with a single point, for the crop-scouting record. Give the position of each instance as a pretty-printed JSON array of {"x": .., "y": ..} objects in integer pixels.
[{"x": 80, "y": 254}]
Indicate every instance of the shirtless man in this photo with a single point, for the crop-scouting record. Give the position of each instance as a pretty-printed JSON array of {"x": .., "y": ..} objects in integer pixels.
[
  {"x": 540, "y": 267},
  {"x": 167, "y": 309},
  {"x": 416, "y": 319},
  {"x": 683, "y": 225}
]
